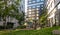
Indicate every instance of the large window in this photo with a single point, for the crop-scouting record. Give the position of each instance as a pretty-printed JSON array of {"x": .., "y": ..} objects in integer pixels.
[
  {"x": 41, "y": 8},
  {"x": 32, "y": 18},
  {"x": 33, "y": 12},
  {"x": 38, "y": 6},
  {"x": 37, "y": 14},
  {"x": 42, "y": 5},
  {"x": 37, "y": 11},
  {"x": 37, "y": 17},
  {"x": 33, "y": 15},
  {"x": 29, "y": 2},
  {"x": 33, "y": 7},
  {"x": 29, "y": 15},
  {"x": 29, "y": 9},
  {"x": 42, "y": 0},
  {"x": 29, "y": 12},
  {"x": 33, "y": 1},
  {"x": 37, "y": 0}
]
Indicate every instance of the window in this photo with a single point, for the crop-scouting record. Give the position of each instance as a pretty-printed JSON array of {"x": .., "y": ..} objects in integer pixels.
[
  {"x": 41, "y": 8},
  {"x": 47, "y": 0},
  {"x": 29, "y": 15},
  {"x": 22, "y": 6},
  {"x": 42, "y": 0},
  {"x": 29, "y": 2},
  {"x": 29, "y": 9},
  {"x": 32, "y": 18},
  {"x": 33, "y": 7},
  {"x": 33, "y": 12},
  {"x": 37, "y": 11},
  {"x": 41, "y": 5},
  {"x": 37, "y": 14},
  {"x": 38, "y": 6},
  {"x": 37, "y": 18},
  {"x": 33, "y": 1},
  {"x": 38, "y": 0},
  {"x": 33, "y": 15},
  {"x": 29, "y": 12}
]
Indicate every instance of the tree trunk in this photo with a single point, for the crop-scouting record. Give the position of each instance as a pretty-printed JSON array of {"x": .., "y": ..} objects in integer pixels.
[
  {"x": 35, "y": 25},
  {"x": 4, "y": 24}
]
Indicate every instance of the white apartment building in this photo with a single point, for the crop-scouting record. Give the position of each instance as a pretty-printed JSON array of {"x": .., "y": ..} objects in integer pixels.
[{"x": 53, "y": 7}]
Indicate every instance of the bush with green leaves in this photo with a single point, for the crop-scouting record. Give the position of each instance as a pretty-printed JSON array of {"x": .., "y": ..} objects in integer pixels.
[{"x": 21, "y": 27}]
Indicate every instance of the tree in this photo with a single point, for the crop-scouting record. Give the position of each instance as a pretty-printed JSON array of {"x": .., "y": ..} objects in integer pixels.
[
  {"x": 43, "y": 17},
  {"x": 10, "y": 8},
  {"x": 21, "y": 17},
  {"x": 4, "y": 10}
]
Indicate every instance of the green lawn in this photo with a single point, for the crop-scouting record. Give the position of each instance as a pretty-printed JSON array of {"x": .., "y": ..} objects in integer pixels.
[{"x": 44, "y": 31}]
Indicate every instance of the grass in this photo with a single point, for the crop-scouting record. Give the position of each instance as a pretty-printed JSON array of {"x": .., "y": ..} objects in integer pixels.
[{"x": 44, "y": 31}]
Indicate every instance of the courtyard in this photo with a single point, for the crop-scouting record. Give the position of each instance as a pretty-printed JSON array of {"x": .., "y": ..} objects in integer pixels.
[{"x": 43, "y": 31}]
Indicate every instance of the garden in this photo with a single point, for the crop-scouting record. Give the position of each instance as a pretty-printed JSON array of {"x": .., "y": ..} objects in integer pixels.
[{"x": 43, "y": 31}]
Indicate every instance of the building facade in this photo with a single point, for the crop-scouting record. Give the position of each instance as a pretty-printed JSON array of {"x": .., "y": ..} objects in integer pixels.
[
  {"x": 34, "y": 8},
  {"x": 53, "y": 7}
]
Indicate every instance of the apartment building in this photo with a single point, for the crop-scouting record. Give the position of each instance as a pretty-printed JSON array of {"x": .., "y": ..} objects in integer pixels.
[
  {"x": 34, "y": 8},
  {"x": 53, "y": 7}
]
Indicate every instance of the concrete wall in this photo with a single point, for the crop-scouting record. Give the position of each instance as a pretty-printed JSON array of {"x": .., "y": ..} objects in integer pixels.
[
  {"x": 1, "y": 23},
  {"x": 12, "y": 20}
]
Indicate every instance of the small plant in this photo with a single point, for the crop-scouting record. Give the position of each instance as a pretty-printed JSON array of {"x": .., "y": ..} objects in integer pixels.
[{"x": 21, "y": 27}]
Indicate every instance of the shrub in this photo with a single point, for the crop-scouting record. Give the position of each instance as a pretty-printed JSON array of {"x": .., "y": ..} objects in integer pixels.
[
  {"x": 9, "y": 25},
  {"x": 1, "y": 27},
  {"x": 21, "y": 27}
]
